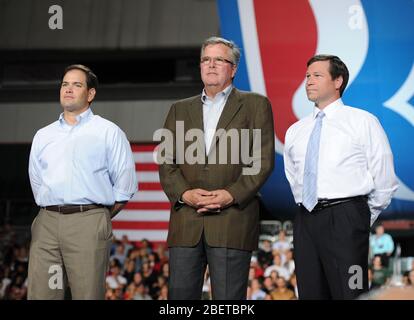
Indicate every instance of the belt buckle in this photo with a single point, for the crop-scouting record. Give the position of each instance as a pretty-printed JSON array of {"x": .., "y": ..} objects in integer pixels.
[{"x": 322, "y": 204}]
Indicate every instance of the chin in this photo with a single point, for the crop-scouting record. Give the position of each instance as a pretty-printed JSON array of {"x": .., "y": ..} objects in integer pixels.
[{"x": 69, "y": 108}]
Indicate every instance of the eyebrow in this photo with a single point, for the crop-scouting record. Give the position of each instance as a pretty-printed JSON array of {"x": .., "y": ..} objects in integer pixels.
[
  {"x": 74, "y": 82},
  {"x": 315, "y": 72}
]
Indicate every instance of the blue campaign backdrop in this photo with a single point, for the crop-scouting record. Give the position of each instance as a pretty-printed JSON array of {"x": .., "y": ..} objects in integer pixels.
[{"x": 376, "y": 41}]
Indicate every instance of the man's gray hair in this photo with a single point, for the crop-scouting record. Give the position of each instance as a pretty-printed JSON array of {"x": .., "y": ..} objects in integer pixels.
[{"x": 235, "y": 50}]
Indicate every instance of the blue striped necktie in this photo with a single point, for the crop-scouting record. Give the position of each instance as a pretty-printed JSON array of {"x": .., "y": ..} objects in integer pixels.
[{"x": 310, "y": 175}]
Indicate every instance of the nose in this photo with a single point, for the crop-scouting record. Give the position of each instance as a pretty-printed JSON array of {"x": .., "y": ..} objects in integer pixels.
[
  {"x": 309, "y": 81},
  {"x": 212, "y": 64},
  {"x": 69, "y": 89}
]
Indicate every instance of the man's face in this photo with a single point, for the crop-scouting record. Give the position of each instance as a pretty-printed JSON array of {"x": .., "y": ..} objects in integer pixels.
[
  {"x": 115, "y": 270},
  {"x": 377, "y": 261},
  {"x": 267, "y": 282},
  {"x": 74, "y": 93},
  {"x": 320, "y": 87},
  {"x": 277, "y": 260},
  {"x": 411, "y": 277},
  {"x": 218, "y": 74},
  {"x": 379, "y": 230},
  {"x": 280, "y": 283},
  {"x": 255, "y": 284}
]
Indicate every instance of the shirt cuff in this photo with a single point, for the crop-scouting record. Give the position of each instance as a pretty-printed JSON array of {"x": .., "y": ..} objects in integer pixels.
[
  {"x": 121, "y": 195},
  {"x": 374, "y": 215}
]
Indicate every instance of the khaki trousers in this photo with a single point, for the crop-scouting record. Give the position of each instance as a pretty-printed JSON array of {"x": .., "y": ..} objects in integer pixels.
[{"x": 69, "y": 250}]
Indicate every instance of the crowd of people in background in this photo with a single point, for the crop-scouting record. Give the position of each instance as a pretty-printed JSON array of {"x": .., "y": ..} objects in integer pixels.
[
  {"x": 139, "y": 270},
  {"x": 14, "y": 261}
]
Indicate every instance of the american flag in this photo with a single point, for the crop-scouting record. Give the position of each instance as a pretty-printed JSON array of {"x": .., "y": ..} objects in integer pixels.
[{"x": 147, "y": 214}]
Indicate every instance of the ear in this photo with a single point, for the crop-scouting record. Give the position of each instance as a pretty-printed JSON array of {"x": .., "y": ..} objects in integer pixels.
[
  {"x": 338, "y": 82},
  {"x": 91, "y": 94},
  {"x": 233, "y": 71}
]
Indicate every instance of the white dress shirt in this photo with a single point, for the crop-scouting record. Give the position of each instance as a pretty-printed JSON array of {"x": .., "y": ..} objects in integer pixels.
[
  {"x": 355, "y": 157},
  {"x": 89, "y": 162},
  {"x": 212, "y": 109}
]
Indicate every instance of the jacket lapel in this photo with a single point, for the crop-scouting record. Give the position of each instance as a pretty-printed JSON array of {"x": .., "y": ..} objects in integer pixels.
[{"x": 196, "y": 113}]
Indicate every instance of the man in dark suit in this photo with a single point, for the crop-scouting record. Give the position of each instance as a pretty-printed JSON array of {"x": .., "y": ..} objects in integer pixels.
[{"x": 215, "y": 207}]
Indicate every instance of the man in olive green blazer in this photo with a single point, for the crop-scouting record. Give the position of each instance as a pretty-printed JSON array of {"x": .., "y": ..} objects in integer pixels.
[{"x": 215, "y": 208}]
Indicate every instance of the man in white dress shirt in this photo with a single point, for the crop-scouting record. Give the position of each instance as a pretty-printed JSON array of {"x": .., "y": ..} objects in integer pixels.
[
  {"x": 82, "y": 174},
  {"x": 340, "y": 168}
]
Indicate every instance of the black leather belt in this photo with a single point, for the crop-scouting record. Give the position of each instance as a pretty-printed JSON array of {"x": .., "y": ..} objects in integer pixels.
[
  {"x": 72, "y": 208},
  {"x": 326, "y": 203}
]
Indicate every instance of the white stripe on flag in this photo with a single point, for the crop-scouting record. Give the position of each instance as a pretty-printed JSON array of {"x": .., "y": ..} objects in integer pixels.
[
  {"x": 149, "y": 196},
  {"x": 143, "y": 157},
  {"x": 148, "y": 176},
  {"x": 143, "y": 215},
  {"x": 251, "y": 46},
  {"x": 139, "y": 235}
]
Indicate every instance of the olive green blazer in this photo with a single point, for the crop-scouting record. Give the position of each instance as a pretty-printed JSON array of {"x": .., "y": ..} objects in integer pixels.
[{"x": 238, "y": 225}]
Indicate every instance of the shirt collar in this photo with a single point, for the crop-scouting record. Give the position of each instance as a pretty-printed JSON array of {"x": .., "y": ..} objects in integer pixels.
[
  {"x": 329, "y": 110},
  {"x": 79, "y": 118},
  {"x": 222, "y": 95}
]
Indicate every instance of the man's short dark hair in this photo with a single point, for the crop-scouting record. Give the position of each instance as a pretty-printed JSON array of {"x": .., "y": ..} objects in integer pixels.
[
  {"x": 336, "y": 68},
  {"x": 91, "y": 78}
]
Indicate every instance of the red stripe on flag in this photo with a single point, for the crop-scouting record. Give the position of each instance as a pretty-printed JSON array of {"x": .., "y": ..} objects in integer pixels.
[
  {"x": 140, "y": 225},
  {"x": 146, "y": 167},
  {"x": 143, "y": 147},
  {"x": 137, "y": 226},
  {"x": 148, "y": 205},
  {"x": 148, "y": 186}
]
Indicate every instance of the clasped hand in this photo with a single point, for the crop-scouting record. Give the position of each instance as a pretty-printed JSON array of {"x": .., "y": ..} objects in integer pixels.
[{"x": 207, "y": 201}]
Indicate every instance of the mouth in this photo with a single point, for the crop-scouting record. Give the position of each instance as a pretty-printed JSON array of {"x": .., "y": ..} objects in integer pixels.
[{"x": 68, "y": 97}]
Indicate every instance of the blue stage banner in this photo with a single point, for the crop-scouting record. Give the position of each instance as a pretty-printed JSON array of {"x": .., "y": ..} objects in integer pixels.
[{"x": 376, "y": 41}]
